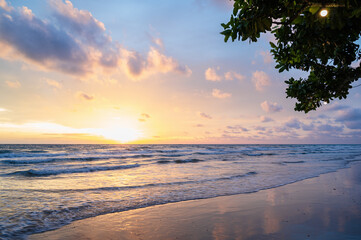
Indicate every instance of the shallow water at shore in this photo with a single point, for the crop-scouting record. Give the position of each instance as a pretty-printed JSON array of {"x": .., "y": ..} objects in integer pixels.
[
  {"x": 323, "y": 208},
  {"x": 44, "y": 187}
]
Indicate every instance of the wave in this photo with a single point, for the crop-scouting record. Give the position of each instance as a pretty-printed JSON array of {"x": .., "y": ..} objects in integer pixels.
[
  {"x": 49, "y": 160},
  {"x": 179, "y": 161},
  {"x": 293, "y": 161},
  {"x": 174, "y": 155},
  {"x": 49, "y": 172},
  {"x": 69, "y": 159},
  {"x": 14, "y": 155},
  {"x": 140, "y": 186},
  {"x": 36, "y": 151},
  {"x": 193, "y": 160},
  {"x": 164, "y": 161},
  {"x": 5, "y": 151},
  {"x": 260, "y": 154}
]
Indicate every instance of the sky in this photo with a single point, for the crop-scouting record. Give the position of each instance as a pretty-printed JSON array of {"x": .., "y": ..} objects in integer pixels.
[{"x": 149, "y": 72}]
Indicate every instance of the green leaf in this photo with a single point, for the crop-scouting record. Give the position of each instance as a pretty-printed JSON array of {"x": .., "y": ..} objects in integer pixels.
[{"x": 314, "y": 10}]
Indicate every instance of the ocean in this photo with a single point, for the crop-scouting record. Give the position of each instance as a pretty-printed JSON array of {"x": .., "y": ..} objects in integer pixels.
[{"x": 44, "y": 187}]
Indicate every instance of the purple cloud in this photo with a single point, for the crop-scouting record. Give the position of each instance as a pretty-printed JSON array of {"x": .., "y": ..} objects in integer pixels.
[
  {"x": 271, "y": 107},
  {"x": 293, "y": 123},
  {"x": 40, "y": 42},
  {"x": 237, "y": 128},
  {"x": 74, "y": 42},
  {"x": 351, "y": 117},
  {"x": 260, "y": 128},
  {"x": 329, "y": 128},
  {"x": 85, "y": 96},
  {"x": 204, "y": 115},
  {"x": 265, "y": 119}
]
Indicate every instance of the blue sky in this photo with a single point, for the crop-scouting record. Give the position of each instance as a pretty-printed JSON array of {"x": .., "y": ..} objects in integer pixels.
[{"x": 148, "y": 72}]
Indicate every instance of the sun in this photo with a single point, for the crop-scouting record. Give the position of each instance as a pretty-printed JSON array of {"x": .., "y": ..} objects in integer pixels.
[{"x": 121, "y": 134}]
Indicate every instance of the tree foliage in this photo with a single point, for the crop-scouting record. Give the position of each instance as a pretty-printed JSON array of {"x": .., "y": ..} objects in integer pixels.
[{"x": 325, "y": 47}]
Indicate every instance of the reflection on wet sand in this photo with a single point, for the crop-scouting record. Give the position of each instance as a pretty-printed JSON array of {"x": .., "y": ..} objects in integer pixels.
[{"x": 327, "y": 207}]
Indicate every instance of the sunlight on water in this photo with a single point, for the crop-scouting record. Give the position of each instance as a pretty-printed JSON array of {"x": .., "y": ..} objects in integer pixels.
[{"x": 46, "y": 186}]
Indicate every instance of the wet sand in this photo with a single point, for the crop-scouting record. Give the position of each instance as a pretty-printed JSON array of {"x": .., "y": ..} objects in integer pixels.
[{"x": 326, "y": 207}]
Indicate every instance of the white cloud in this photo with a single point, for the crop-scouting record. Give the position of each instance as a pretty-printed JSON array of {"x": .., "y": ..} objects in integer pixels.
[
  {"x": 260, "y": 79},
  {"x": 271, "y": 107},
  {"x": 218, "y": 94},
  {"x": 267, "y": 57},
  {"x": 211, "y": 75},
  {"x": 233, "y": 75},
  {"x": 137, "y": 67},
  {"x": 5, "y": 6}
]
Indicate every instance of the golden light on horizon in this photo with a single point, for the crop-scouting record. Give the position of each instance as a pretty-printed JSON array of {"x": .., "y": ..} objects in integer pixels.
[{"x": 121, "y": 134}]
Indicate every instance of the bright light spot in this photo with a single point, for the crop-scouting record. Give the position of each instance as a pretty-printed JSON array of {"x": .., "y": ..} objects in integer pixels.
[
  {"x": 323, "y": 12},
  {"x": 3, "y": 110},
  {"x": 120, "y": 134}
]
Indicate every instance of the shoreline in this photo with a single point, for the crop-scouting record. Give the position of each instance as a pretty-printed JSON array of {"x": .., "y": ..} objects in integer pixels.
[{"x": 324, "y": 207}]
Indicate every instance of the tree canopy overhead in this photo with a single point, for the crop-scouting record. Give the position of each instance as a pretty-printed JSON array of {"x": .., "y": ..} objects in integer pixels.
[{"x": 325, "y": 47}]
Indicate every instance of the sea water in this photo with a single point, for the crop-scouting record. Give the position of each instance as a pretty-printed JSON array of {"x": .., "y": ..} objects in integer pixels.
[{"x": 44, "y": 187}]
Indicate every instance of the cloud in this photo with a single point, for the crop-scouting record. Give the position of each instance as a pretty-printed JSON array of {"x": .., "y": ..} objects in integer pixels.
[
  {"x": 265, "y": 119},
  {"x": 271, "y": 107},
  {"x": 293, "y": 123},
  {"x": 53, "y": 83},
  {"x": 237, "y": 128},
  {"x": 218, "y": 94},
  {"x": 329, "y": 128},
  {"x": 85, "y": 96},
  {"x": 204, "y": 115},
  {"x": 73, "y": 42},
  {"x": 158, "y": 42},
  {"x": 144, "y": 118},
  {"x": 260, "y": 128},
  {"x": 145, "y": 115},
  {"x": 267, "y": 57},
  {"x": 260, "y": 79},
  {"x": 233, "y": 75},
  {"x": 25, "y": 37},
  {"x": 50, "y": 128},
  {"x": 80, "y": 22},
  {"x": 335, "y": 107},
  {"x": 5, "y": 6},
  {"x": 351, "y": 117},
  {"x": 307, "y": 127},
  {"x": 11, "y": 84},
  {"x": 136, "y": 66},
  {"x": 199, "y": 125},
  {"x": 211, "y": 75}
]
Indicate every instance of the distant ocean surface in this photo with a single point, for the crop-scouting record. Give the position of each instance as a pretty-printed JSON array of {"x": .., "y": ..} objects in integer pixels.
[{"x": 43, "y": 187}]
